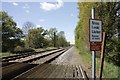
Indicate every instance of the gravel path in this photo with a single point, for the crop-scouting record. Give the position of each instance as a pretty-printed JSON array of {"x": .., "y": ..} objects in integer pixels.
[
  {"x": 72, "y": 57},
  {"x": 77, "y": 60}
]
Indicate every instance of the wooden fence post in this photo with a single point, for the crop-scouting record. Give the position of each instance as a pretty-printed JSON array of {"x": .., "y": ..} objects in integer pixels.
[{"x": 102, "y": 55}]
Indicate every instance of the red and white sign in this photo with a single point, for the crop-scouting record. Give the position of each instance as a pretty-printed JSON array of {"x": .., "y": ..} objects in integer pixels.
[
  {"x": 95, "y": 33},
  {"x": 95, "y": 46}
]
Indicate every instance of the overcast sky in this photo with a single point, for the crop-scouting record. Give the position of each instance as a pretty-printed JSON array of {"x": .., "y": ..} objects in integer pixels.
[{"x": 59, "y": 14}]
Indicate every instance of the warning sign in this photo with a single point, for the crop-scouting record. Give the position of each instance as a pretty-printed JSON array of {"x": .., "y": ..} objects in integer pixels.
[
  {"x": 95, "y": 30},
  {"x": 95, "y": 33},
  {"x": 95, "y": 46}
]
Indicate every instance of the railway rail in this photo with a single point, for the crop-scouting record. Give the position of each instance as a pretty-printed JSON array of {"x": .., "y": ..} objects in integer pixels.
[
  {"x": 23, "y": 64},
  {"x": 22, "y": 55},
  {"x": 11, "y": 59}
]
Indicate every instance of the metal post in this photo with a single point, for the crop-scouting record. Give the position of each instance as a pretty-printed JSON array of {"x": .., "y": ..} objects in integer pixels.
[{"x": 93, "y": 53}]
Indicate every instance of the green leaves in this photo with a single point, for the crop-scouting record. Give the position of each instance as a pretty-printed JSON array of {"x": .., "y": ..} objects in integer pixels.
[
  {"x": 108, "y": 13},
  {"x": 10, "y": 33},
  {"x": 57, "y": 38},
  {"x": 12, "y": 36},
  {"x": 36, "y": 38}
]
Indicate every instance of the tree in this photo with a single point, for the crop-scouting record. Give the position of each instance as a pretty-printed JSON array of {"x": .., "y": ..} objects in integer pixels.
[
  {"x": 110, "y": 17},
  {"x": 57, "y": 38},
  {"x": 27, "y": 26},
  {"x": 108, "y": 13},
  {"x": 52, "y": 36},
  {"x": 36, "y": 38},
  {"x": 61, "y": 40},
  {"x": 82, "y": 28},
  {"x": 11, "y": 35}
]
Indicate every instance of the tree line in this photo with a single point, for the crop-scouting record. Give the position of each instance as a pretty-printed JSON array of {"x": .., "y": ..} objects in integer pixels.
[
  {"x": 109, "y": 14},
  {"x": 29, "y": 37}
]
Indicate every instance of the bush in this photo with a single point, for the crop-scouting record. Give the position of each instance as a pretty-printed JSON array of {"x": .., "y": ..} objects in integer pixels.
[
  {"x": 114, "y": 58},
  {"x": 20, "y": 49}
]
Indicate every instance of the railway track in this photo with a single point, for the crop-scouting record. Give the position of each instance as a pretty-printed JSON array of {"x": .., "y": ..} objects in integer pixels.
[
  {"x": 22, "y": 55},
  {"x": 8, "y": 60},
  {"x": 21, "y": 65}
]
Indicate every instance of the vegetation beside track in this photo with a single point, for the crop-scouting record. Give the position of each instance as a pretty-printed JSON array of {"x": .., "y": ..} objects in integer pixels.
[
  {"x": 109, "y": 70},
  {"x": 6, "y": 54},
  {"x": 28, "y": 38},
  {"x": 106, "y": 12}
]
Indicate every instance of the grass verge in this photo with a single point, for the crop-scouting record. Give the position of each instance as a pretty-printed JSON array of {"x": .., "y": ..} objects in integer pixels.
[
  {"x": 110, "y": 70},
  {"x": 6, "y": 54}
]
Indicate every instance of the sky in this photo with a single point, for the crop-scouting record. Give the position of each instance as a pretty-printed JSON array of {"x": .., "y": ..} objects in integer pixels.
[{"x": 59, "y": 14}]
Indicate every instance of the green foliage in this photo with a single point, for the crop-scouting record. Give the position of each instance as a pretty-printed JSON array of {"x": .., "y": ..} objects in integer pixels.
[
  {"x": 82, "y": 29},
  {"x": 57, "y": 38},
  {"x": 36, "y": 38},
  {"x": 105, "y": 11},
  {"x": 10, "y": 33},
  {"x": 61, "y": 41},
  {"x": 40, "y": 38},
  {"x": 109, "y": 69},
  {"x": 52, "y": 36},
  {"x": 13, "y": 39},
  {"x": 20, "y": 49},
  {"x": 6, "y": 54},
  {"x": 114, "y": 57}
]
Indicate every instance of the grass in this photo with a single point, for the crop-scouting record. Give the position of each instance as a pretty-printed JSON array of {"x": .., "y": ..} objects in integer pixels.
[
  {"x": 6, "y": 54},
  {"x": 109, "y": 70},
  {"x": 42, "y": 49}
]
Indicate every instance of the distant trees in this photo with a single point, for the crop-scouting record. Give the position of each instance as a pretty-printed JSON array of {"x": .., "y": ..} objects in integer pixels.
[
  {"x": 11, "y": 34},
  {"x": 57, "y": 39},
  {"x": 40, "y": 38},
  {"x": 16, "y": 40},
  {"x": 61, "y": 40},
  {"x": 52, "y": 36},
  {"x": 36, "y": 38},
  {"x": 27, "y": 26}
]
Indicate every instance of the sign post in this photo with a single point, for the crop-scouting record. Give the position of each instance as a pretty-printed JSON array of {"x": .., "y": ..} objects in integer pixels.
[
  {"x": 95, "y": 34},
  {"x": 93, "y": 53}
]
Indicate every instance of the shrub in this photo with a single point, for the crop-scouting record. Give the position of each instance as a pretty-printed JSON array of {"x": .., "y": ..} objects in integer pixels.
[
  {"x": 20, "y": 49},
  {"x": 114, "y": 58}
]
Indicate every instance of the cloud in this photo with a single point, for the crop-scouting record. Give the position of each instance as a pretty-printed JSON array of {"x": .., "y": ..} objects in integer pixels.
[
  {"x": 50, "y": 6},
  {"x": 15, "y": 4},
  {"x": 26, "y": 6},
  {"x": 19, "y": 27},
  {"x": 27, "y": 11},
  {"x": 41, "y": 20},
  {"x": 37, "y": 26}
]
